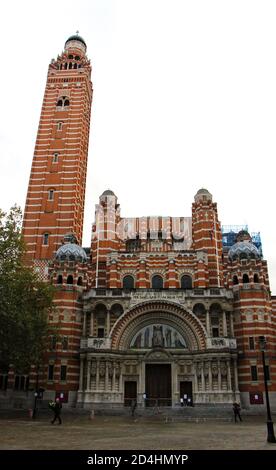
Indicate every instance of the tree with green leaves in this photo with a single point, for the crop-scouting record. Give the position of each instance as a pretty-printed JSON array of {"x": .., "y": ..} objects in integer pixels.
[{"x": 25, "y": 301}]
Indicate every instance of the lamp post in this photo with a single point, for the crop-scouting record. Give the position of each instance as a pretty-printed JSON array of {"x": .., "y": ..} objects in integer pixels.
[{"x": 270, "y": 429}]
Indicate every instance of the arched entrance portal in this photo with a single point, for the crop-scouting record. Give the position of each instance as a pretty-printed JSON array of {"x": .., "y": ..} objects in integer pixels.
[{"x": 163, "y": 338}]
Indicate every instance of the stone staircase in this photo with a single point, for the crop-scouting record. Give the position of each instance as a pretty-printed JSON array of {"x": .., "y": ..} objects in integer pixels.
[{"x": 199, "y": 413}]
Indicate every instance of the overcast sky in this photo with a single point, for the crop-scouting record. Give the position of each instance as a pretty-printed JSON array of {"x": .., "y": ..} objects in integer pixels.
[{"x": 184, "y": 97}]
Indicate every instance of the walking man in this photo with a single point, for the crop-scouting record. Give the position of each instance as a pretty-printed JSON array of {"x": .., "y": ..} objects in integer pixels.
[
  {"x": 57, "y": 411},
  {"x": 237, "y": 411}
]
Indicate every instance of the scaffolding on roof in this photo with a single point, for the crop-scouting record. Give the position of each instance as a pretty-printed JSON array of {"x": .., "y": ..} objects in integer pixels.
[{"x": 230, "y": 232}]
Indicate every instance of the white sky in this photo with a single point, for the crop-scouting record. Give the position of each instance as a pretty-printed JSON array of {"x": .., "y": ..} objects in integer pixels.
[{"x": 184, "y": 97}]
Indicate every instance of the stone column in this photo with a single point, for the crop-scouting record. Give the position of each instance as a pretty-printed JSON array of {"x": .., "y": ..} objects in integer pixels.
[
  {"x": 106, "y": 376},
  {"x": 81, "y": 375},
  {"x": 88, "y": 380},
  {"x": 97, "y": 374},
  {"x": 92, "y": 323},
  {"x": 236, "y": 381},
  {"x": 208, "y": 329},
  {"x": 121, "y": 379},
  {"x": 224, "y": 324},
  {"x": 229, "y": 386},
  {"x": 210, "y": 376},
  {"x": 114, "y": 377},
  {"x": 174, "y": 384},
  {"x": 195, "y": 378},
  {"x": 219, "y": 376},
  {"x": 231, "y": 324},
  {"x": 84, "y": 324},
  {"x": 202, "y": 378},
  {"x": 108, "y": 323}
]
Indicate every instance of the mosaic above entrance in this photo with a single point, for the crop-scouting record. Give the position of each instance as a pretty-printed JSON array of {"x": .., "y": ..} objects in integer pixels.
[{"x": 158, "y": 335}]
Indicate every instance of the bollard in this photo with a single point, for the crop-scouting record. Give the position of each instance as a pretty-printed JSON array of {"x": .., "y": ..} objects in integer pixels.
[
  {"x": 92, "y": 414},
  {"x": 30, "y": 411}
]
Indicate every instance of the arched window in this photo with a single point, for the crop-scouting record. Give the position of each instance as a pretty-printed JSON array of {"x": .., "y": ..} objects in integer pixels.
[
  {"x": 45, "y": 239},
  {"x": 60, "y": 67},
  {"x": 66, "y": 66},
  {"x": 59, "y": 126},
  {"x": 55, "y": 157},
  {"x": 77, "y": 57},
  {"x": 51, "y": 193},
  {"x": 157, "y": 282},
  {"x": 70, "y": 56},
  {"x": 235, "y": 280},
  {"x": 128, "y": 282},
  {"x": 186, "y": 282},
  {"x": 245, "y": 279},
  {"x": 70, "y": 279},
  {"x": 75, "y": 66},
  {"x": 79, "y": 283},
  {"x": 59, "y": 279},
  {"x": 63, "y": 102},
  {"x": 256, "y": 278},
  {"x": 70, "y": 65}
]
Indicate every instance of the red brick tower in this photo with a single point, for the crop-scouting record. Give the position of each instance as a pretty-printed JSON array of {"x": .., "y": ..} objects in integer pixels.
[
  {"x": 56, "y": 192},
  {"x": 207, "y": 235}
]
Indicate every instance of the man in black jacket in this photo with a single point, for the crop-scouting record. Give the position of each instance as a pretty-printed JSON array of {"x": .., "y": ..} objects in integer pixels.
[{"x": 57, "y": 411}]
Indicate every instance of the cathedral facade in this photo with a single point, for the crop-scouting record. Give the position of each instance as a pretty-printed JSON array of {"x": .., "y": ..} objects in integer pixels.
[{"x": 157, "y": 309}]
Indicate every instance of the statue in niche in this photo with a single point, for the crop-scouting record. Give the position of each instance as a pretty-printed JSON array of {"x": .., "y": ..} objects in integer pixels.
[
  {"x": 146, "y": 338},
  {"x": 177, "y": 341},
  {"x": 168, "y": 338},
  {"x": 157, "y": 337},
  {"x": 137, "y": 342}
]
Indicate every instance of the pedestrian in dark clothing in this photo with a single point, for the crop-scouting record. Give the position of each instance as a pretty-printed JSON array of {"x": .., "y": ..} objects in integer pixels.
[
  {"x": 57, "y": 410},
  {"x": 133, "y": 407},
  {"x": 237, "y": 411}
]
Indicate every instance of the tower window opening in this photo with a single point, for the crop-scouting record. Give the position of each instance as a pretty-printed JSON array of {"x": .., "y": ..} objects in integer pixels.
[
  {"x": 256, "y": 278},
  {"x": 45, "y": 239},
  {"x": 186, "y": 282},
  {"x": 50, "y": 195},
  {"x": 128, "y": 282},
  {"x": 79, "y": 66},
  {"x": 70, "y": 56},
  {"x": 157, "y": 282},
  {"x": 254, "y": 373},
  {"x": 59, "y": 279},
  {"x": 63, "y": 373},
  {"x": 60, "y": 67},
  {"x": 245, "y": 279},
  {"x": 100, "y": 332},
  {"x": 63, "y": 102},
  {"x": 75, "y": 66},
  {"x": 70, "y": 65},
  {"x": 79, "y": 283},
  {"x": 59, "y": 126},
  {"x": 77, "y": 57},
  {"x": 70, "y": 279},
  {"x": 66, "y": 66},
  {"x": 55, "y": 158},
  {"x": 235, "y": 280}
]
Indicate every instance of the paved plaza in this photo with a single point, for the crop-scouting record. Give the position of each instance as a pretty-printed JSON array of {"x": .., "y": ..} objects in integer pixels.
[{"x": 127, "y": 433}]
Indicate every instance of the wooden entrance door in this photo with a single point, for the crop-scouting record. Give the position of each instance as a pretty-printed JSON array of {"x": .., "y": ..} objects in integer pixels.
[
  {"x": 130, "y": 392},
  {"x": 186, "y": 393},
  {"x": 158, "y": 385}
]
